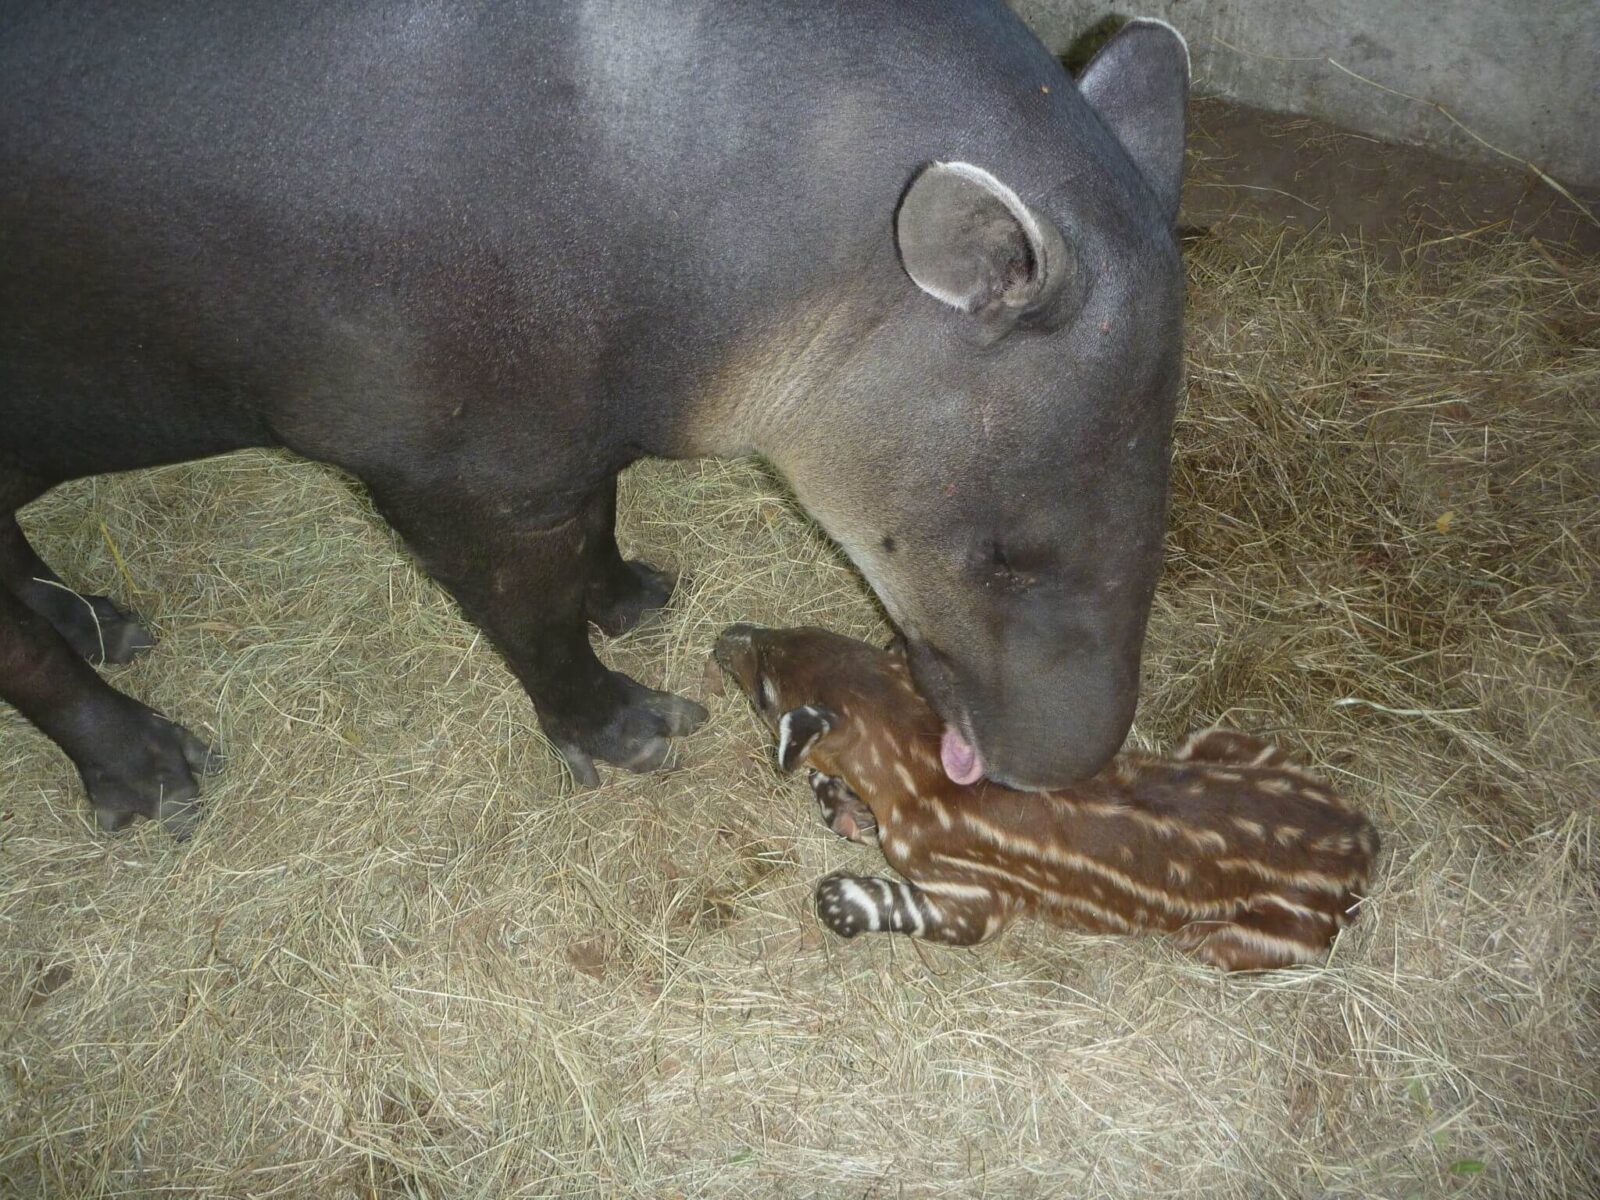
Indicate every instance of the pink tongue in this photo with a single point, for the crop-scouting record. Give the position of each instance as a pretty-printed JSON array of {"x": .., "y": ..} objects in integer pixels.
[{"x": 960, "y": 759}]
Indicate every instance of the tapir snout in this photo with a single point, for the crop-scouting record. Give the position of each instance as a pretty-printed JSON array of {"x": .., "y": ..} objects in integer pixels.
[{"x": 1042, "y": 707}]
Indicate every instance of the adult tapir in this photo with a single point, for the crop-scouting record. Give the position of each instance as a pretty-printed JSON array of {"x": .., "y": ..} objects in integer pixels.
[{"x": 485, "y": 255}]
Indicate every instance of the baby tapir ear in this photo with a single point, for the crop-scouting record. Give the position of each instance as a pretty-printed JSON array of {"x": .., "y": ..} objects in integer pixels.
[
  {"x": 799, "y": 729},
  {"x": 969, "y": 241}
]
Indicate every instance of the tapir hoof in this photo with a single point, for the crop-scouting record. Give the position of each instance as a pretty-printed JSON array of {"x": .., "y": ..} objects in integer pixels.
[
  {"x": 98, "y": 628},
  {"x": 628, "y": 597},
  {"x": 636, "y": 735},
  {"x": 146, "y": 768},
  {"x": 119, "y": 639}
]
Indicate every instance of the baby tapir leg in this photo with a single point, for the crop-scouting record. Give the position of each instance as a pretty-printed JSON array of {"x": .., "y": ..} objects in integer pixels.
[
  {"x": 852, "y": 904},
  {"x": 843, "y": 811},
  {"x": 1271, "y": 933}
]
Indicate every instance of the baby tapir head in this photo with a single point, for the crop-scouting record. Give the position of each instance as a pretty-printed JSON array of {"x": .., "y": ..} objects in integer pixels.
[{"x": 811, "y": 686}]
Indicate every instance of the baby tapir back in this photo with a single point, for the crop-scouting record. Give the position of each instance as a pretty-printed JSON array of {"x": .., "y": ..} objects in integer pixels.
[{"x": 1249, "y": 861}]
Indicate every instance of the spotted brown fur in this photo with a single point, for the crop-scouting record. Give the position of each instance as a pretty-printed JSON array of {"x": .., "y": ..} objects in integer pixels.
[{"x": 1247, "y": 860}]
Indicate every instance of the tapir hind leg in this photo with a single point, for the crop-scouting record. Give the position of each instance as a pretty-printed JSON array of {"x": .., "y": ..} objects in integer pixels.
[
  {"x": 621, "y": 592},
  {"x": 134, "y": 762},
  {"x": 522, "y": 571},
  {"x": 94, "y": 626}
]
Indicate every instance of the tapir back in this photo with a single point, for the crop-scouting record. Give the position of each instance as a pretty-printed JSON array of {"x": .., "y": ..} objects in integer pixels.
[{"x": 1158, "y": 843}]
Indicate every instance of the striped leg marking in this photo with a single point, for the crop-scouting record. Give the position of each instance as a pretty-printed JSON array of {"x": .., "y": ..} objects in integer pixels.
[
  {"x": 1266, "y": 937},
  {"x": 843, "y": 811},
  {"x": 852, "y": 904}
]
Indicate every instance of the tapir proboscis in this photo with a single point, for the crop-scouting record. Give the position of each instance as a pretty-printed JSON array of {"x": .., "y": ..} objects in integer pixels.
[{"x": 484, "y": 256}]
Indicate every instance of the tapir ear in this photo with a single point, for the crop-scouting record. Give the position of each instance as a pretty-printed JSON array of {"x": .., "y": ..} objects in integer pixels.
[
  {"x": 1139, "y": 84},
  {"x": 966, "y": 239},
  {"x": 799, "y": 729}
]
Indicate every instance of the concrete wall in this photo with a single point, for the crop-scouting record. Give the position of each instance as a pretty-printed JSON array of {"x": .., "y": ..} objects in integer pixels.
[{"x": 1522, "y": 74}]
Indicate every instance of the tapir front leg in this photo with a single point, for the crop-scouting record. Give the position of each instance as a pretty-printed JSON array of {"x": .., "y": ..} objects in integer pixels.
[{"x": 523, "y": 571}]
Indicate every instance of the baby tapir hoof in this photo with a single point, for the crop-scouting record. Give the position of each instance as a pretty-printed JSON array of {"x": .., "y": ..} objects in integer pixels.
[
  {"x": 843, "y": 907},
  {"x": 147, "y": 769},
  {"x": 843, "y": 811},
  {"x": 624, "y": 598},
  {"x": 636, "y": 735},
  {"x": 852, "y": 904}
]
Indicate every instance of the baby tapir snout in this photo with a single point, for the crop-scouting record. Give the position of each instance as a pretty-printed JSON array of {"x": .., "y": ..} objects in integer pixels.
[
  {"x": 738, "y": 651},
  {"x": 733, "y": 645},
  {"x": 781, "y": 669},
  {"x": 806, "y": 683}
]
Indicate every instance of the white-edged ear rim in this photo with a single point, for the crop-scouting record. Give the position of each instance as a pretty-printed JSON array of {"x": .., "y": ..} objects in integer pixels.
[
  {"x": 941, "y": 210},
  {"x": 1188, "y": 58}
]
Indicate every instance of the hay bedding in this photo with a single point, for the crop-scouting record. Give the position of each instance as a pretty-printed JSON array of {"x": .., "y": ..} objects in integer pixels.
[{"x": 402, "y": 959}]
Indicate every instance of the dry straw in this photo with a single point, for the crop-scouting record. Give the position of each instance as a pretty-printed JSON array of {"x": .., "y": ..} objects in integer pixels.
[{"x": 403, "y": 959}]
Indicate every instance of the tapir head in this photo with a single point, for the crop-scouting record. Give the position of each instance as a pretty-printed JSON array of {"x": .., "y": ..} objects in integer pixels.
[{"x": 1008, "y": 502}]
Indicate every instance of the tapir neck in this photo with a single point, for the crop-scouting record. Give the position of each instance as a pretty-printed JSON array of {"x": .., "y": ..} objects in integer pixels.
[{"x": 774, "y": 382}]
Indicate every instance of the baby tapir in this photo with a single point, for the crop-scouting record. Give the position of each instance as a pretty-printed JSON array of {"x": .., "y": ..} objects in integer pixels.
[{"x": 1248, "y": 861}]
